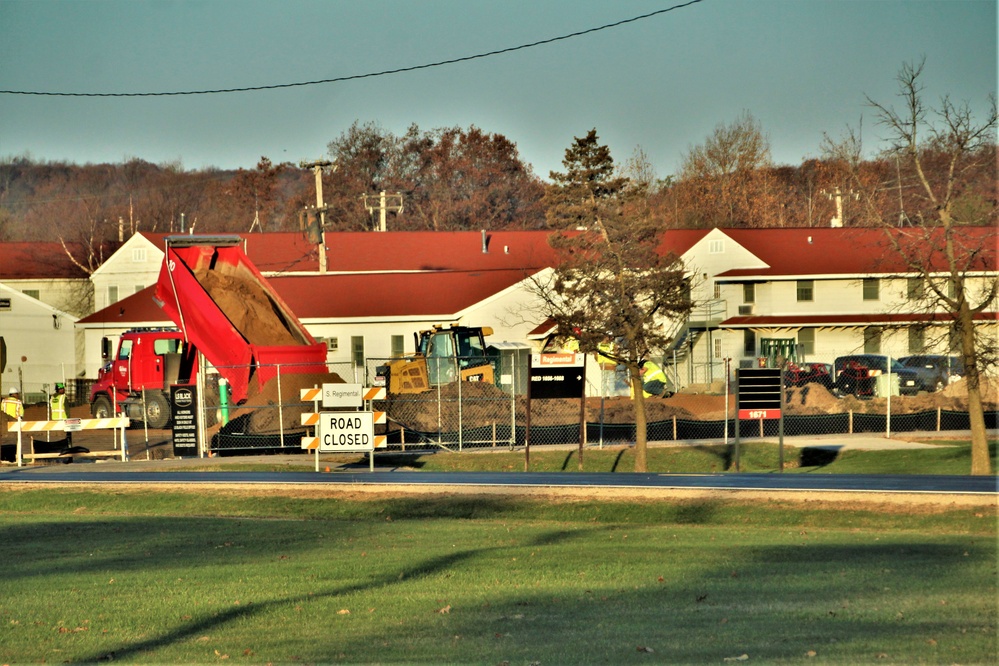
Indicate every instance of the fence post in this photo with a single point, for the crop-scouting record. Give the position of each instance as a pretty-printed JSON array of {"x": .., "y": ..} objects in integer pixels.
[
  {"x": 938, "y": 418},
  {"x": 849, "y": 429},
  {"x": 280, "y": 408}
]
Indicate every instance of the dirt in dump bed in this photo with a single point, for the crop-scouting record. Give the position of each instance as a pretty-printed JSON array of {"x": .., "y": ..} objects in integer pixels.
[{"x": 248, "y": 307}]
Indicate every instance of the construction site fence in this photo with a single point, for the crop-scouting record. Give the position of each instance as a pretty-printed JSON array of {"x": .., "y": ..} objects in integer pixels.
[
  {"x": 463, "y": 416},
  {"x": 36, "y": 382}
]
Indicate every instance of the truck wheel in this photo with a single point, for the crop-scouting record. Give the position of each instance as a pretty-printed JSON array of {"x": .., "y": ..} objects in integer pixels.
[
  {"x": 101, "y": 408},
  {"x": 157, "y": 411}
]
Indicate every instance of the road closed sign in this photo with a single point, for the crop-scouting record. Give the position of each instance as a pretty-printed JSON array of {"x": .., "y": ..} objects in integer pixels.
[{"x": 346, "y": 431}]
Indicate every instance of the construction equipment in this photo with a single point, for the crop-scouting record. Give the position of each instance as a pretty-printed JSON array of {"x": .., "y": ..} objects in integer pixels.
[
  {"x": 224, "y": 310},
  {"x": 136, "y": 380},
  {"x": 444, "y": 354}
]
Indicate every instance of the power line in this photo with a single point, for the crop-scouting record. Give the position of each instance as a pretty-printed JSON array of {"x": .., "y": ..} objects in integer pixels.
[{"x": 369, "y": 75}]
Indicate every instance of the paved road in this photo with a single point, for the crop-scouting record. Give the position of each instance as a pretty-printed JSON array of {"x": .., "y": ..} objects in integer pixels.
[{"x": 859, "y": 483}]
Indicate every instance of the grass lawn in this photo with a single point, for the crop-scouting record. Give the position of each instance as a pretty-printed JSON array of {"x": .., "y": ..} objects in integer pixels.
[
  {"x": 948, "y": 457},
  {"x": 228, "y": 577}
]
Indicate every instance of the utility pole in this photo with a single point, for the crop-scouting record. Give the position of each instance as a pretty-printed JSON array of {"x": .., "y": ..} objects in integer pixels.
[
  {"x": 837, "y": 194},
  {"x": 385, "y": 203},
  {"x": 317, "y": 168}
]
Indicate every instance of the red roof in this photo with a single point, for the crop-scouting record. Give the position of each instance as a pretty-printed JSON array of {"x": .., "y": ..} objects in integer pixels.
[
  {"x": 338, "y": 296},
  {"x": 809, "y": 251},
  {"x": 356, "y": 251},
  {"x": 42, "y": 261}
]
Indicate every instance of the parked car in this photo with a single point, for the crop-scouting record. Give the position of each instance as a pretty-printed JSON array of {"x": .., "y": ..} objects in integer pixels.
[
  {"x": 935, "y": 371},
  {"x": 809, "y": 373},
  {"x": 858, "y": 374}
]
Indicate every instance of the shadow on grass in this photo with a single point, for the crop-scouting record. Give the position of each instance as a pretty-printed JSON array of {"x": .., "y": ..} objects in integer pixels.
[
  {"x": 818, "y": 456},
  {"x": 680, "y": 612},
  {"x": 217, "y": 619}
]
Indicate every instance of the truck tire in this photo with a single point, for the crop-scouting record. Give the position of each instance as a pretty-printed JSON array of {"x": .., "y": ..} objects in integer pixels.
[
  {"x": 157, "y": 411},
  {"x": 101, "y": 408}
]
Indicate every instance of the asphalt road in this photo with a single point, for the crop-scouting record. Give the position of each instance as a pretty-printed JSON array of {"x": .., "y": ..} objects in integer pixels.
[{"x": 857, "y": 483}]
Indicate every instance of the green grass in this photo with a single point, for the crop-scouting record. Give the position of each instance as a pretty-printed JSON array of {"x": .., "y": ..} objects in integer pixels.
[
  {"x": 948, "y": 457},
  {"x": 193, "y": 577}
]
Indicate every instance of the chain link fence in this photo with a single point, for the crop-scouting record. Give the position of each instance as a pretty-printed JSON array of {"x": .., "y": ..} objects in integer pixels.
[{"x": 426, "y": 413}]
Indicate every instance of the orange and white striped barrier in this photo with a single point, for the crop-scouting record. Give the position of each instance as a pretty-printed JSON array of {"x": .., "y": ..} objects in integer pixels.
[{"x": 70, "y": 425}]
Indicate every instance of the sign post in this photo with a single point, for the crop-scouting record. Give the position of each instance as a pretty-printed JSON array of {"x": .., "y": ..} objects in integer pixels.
[
  {"x": 559, "y": 375},
  {"x": 184, "y": 399},
  {"x": 760, "y": 396}
]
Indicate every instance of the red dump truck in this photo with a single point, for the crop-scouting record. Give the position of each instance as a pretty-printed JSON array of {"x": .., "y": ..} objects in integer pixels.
[{"x": 225, "y": 310}]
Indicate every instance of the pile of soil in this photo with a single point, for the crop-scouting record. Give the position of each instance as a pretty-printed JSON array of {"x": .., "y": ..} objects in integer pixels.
[{"x": 260, "y": 414}]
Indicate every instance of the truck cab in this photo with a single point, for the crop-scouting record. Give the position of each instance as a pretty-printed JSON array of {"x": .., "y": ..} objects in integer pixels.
[{"x": 135, "y": 380}]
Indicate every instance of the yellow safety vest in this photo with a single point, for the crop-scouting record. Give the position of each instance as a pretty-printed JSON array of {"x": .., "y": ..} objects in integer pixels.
[
  {"x": 57, "y": 403},
  {"x": 12, "y": 407}
]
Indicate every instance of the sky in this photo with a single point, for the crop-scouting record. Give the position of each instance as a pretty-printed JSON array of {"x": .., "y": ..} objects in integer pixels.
[{"x": 661, "y": 84}]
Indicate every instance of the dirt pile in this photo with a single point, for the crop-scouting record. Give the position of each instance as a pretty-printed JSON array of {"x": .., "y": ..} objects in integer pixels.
[
  {"x": 260, "y": 413},
  {"x": 483, "y": 405}
]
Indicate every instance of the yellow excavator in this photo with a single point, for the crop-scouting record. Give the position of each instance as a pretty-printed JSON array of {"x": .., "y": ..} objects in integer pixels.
[{"x": 444, "y": 354}]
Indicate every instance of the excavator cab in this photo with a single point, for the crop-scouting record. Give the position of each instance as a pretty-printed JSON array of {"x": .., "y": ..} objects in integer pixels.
[{"x": 443, "y": 355}]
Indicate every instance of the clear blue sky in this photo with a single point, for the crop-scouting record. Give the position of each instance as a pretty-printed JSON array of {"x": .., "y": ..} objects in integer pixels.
[{"x": 801, "y": 67}]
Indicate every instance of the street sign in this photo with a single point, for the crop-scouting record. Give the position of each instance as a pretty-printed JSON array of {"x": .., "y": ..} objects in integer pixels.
[
  {"x": 346, "y": 431},
  {"x": 342, "y": 395},
  {"x": 350, "y": 395},
  {"x": 557, "y": 375},
  {"x": 759, "y": 391}
]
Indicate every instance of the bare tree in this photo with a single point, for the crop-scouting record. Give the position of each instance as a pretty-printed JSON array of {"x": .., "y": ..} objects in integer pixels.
[{"x": 952, "y": 264}]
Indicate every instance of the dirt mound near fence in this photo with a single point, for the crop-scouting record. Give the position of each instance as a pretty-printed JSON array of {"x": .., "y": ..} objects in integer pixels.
[
  {"x": 260, "y": 413},
  {"x": 484, "y": 405}
]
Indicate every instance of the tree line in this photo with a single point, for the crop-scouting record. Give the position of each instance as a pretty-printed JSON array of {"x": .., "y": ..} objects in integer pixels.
[{"x": 469, "y": 179}]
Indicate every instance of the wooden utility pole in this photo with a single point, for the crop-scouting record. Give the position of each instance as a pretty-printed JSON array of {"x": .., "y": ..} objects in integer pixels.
[
  {"x": 383, "y": 203},
  {"x": 317, "y": 168},
  {"x": 837, "y": 194}
]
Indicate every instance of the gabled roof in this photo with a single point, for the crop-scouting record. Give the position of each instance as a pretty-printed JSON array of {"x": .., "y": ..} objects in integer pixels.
[
  {"x": 807, "y": 252},
  {"x": 435, "y": 294},
  {"x": 367, "y": 251},
  {"x": 41, "y": 261}
]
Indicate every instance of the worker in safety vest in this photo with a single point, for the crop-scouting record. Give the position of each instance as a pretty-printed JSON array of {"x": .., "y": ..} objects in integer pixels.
[
  {"x": 11, "y": 408},
  {"x": 57, "y": 407},
  {"x": 654, "y": 381}
]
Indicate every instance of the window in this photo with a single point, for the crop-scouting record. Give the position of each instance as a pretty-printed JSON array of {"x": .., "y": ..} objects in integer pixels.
[
  {"x": 749, "y": 342},
  {"x": 806, "y": 290},
  {"x": 718, "y": 347},
  {"x": 357, "y": 350},
  {"x": 872, "y": 289},
  {"x": 716, "y": 247},
  {"x": 125, "y": 350},
  {"x": 749, "y": 292},
  {"x": 915, "y": 288},
  {"x": 33, "y": 293},
  {"x": 806, "y": 338},
  {"x": 398, "y": 346},
  {"x": 917, "y": 340},
  {"x": 5, "y": 304},
  {"x": 872, "y": 340},
  {"x": 139, "y": 255},
  {"x": 717, "y": 290},
  {"x": 137, "y": 288},
  {"x": 112, "y": 294}
]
